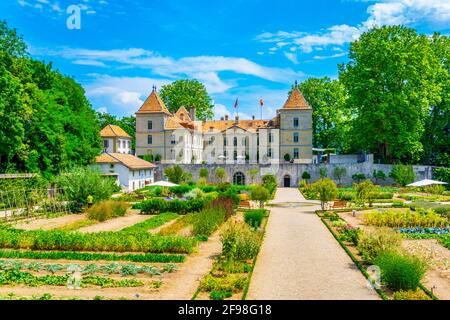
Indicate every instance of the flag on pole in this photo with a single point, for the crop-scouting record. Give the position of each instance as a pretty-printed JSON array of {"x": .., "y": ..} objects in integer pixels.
[
  {"x": 261, "y": 102},
  {"x": 236, "y": 103}
]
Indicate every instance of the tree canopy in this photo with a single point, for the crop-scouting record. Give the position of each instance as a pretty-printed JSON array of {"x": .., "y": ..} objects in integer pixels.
[
  {"x": 46, "y": 122},
  {"x": 188, "y": 93}
]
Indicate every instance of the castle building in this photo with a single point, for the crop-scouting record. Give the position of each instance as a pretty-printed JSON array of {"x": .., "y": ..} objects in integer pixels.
[
  {"x": 115, "y": 139},
  {"x": 179, "y": 138}
]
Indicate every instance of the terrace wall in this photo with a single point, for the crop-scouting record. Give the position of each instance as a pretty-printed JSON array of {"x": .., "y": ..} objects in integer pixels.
[{"x": 295, "y": 171}]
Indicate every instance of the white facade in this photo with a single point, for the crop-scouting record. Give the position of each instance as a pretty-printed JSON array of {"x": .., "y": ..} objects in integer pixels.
[
  {"x": 117, "y": 145},
  {"x": 128, "y": 179}
]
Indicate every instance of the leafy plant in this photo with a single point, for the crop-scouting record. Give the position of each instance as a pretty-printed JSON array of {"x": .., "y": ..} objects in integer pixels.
[
  {"x": 106, "y": 210},
  {"x": 326, "y": 189},
  {"x": 372, "y": 242},
  {"x": 254, "y": 217},
  {"x": 410, "y": 295},
  {"x": 239, "y": 241},
  {"x": 402, "y": 174},
  {"x": 400, "y": 271},
  {"x": 260, "y": 194}
]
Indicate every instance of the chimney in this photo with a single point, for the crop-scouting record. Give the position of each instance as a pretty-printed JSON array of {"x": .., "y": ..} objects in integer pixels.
[
  {"x": 221, "y": 118},
  {"x": 192, "y": 113},
  {"x": 237, "y": 119},
  {"x": 226, "y": 117},
  {"x": 253, "y": 117}
]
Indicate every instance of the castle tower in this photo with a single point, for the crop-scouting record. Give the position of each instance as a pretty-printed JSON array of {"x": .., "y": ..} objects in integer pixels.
[{"x": 296, "y": 128}]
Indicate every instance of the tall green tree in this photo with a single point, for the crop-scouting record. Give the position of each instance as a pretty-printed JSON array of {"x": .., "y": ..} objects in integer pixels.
[
  {"x": 188, "y": 93},
  {"x": 391, "y": 83},
  {"x": 330, "y": 114},
  {"x": 46, "y": 122},
  {"x": 436, "y": 139}
]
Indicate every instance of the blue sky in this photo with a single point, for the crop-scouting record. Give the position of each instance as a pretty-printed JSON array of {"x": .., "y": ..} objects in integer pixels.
[{"x": 238, "y": 49}]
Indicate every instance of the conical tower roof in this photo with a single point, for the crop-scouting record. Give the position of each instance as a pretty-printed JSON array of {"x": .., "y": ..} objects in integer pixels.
[
  {"x": 153, "y": 104},
  {"x": 296, "y": 100}
]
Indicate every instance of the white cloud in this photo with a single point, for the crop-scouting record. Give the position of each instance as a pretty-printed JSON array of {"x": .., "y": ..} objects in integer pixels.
[
  {"x": 102, "y": 110},
  {"x": 292, "y": 57},
  {"x": 89, "y": 63},
  {"x": 383, "y": 12},
  {"x": 337, "y": 55}
]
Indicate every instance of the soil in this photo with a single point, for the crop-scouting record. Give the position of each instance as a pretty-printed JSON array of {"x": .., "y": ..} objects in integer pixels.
[
  {"x": 116, "y": 224},
  {"x": 48, "y": 223}
]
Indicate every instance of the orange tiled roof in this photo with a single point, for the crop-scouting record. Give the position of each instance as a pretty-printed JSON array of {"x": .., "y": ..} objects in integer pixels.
[
  {"x": 153, "y": 104},
  {"x": 113, "y": 131},
  {"x": 296, "y": 101},
  {"x": 182, "y": 111},
  {"x": 127, "y": 160},
  {"x": 221, "y": 125}
]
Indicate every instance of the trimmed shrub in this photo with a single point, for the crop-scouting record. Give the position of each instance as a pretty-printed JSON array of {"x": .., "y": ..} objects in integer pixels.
[
  {"x": 254, "y": 217},
  {"x": 107, "y": 210},
  {"x": 346, "y": 195},
  {"x": 402, "y": 174},
  {"x": 400, "y": 271},
  {"x": 156, "y": 206},
  {"x": 260, "y": 194},
  {"x": 372, "y": 243},
  {"x": 239, "y": 241},
  {"x": 326, "y": 189}
]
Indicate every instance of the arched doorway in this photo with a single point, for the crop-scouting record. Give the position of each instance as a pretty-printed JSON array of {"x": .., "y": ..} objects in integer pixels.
[
  {"x": 287, "y": 181},
  {"x": 239, "y": 178}
]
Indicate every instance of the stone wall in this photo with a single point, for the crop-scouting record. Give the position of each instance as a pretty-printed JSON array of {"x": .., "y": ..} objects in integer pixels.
[{"x": 295, "y": 171}]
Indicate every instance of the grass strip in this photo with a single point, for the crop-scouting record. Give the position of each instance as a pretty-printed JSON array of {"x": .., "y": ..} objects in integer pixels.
[
  {"x": 152, "y": 223},
  {"x": 91, "y": 256}
]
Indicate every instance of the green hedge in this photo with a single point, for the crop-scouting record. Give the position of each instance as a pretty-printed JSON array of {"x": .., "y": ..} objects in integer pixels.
[
  {"x": 157, "y": 206},
  {"x": 254, "y": 217}
]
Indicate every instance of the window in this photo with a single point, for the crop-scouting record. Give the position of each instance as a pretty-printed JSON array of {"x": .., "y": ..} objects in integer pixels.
[
  {"x": 295, "y": 137},
  {"x": 111, "y": 165},
  {"x": 129, "y": 144},
  {"x": 106, "y": 143},
  {"x": 296, "y": 153},
  {"x": 150, "y": 124},
  {"x": 235, "y": 141},
  {"x": 224, "y": 141},
  {"x": 149, "y": 139},
  {"x": 235, "y": 155},
  {"x": 225, "y": 154},
  {"x": 172, "y": 140},
  {"x": 244, "y": 141},
  {"x": 270, "y": 137},
  {"x": 211, "y": 129},
  {"x": 239, "y": 178},
  {"x": 269, "y": 153},
  {"x": 295, "y": 122}
]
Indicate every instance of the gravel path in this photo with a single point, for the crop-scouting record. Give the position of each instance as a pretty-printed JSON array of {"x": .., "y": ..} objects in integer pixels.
[{"x": 300, "y": 259}]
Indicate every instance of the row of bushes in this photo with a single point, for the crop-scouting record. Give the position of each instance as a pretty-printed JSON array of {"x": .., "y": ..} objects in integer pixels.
[
  {"x": 106, "y": 210},
  {"x": 350, "y": 196},
  {"x": 102, "y": 241},
  {"x": 157, "y": 206}
]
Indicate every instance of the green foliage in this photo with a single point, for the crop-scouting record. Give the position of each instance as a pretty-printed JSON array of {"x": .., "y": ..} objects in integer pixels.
[
  {"x": 269, "y": 182},
  {"x": 378, "y": 175},
  {"x": 306, "y": 175},
  {"x": 254, "y": 217},
  {"x": 81, "y": 182},
  {"x": 228, "y": 283},
  {"x": 260, "y": 194},
  {"x": 402, "y": 174},
  {"x": 204, "y": 173},
  {"x": 37, "y": 182},
  {"x": 339, "y": 173},
  {"x": 220, "y": 294},
  {"x": 221, "y": 174},
  {"x": 435, "y": 189},
  {"x": 400, "y": 271},
  {"x": 410, "y": 295},
  {"x": 358, "y": 177},
  {"x": 393, "y": 78},
  {"x": 188, "y": 93},
  {"x": 102, "y": 241},
  {"x": 46, "y": 122},
  {"x": 404, "y": 218},
  {"x": 151, "y": 223},
  {"x": 239, "y": 241},
  {"x": 442, "y": 174},
  {"x": 90, "y": 256},
  {"x": 107, "y": 210},
  {"x": 326, "y": 189},
  {"x": 330, "y": 114},
  {"x": 323, "y": 172},
  {"x": 364, "y": 191},
  {"x": 207, "y": 221},
  {"x": 372, "y": 242},
  {"x": 157, "y": 206},
  {"x": 175, "y": 174},
  {"x": 287, "y": 157}
]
